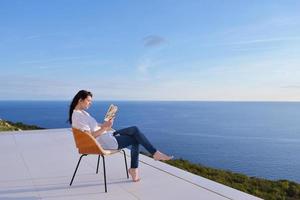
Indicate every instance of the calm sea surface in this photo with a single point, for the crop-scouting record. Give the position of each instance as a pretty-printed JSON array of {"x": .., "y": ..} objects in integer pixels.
[{"x": 256, "y": 138}]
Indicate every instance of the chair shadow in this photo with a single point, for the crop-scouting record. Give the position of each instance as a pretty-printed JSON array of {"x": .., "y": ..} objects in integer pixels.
[
  {"x": 53, "y": 187},
  {"x": 19, "y": 198}
]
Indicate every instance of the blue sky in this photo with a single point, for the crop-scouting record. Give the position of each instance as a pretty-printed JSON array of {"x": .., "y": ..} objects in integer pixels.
[{"x": 150, "y": 50}]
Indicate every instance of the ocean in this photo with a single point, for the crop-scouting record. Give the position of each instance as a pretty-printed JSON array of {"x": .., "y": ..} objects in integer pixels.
[{"x": 259, "y": 139}]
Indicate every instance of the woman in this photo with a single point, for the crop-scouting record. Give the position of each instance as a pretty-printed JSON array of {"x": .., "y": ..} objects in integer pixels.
[{"x": 106, "y": 136}]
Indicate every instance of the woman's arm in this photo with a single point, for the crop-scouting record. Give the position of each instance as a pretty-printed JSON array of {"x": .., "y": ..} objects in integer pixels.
[
  {"x": 99, "y": 132},
  {"x": 104, "y": 127}
]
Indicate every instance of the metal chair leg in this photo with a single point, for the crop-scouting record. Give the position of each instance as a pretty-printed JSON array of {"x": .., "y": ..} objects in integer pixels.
[
  {"x": 104, "y": 168},
  {"x": 77, "y": 168},
  {"x": 98, "y": 164},
  {"x": 125, "y": 163},
  {"x": 104, "y": 172}
]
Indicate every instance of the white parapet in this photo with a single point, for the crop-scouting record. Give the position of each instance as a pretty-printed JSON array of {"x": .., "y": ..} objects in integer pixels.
[{"x": 40, "y": 164}]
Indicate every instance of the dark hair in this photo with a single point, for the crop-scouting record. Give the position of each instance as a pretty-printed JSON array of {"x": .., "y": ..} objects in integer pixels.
[{"x": 82, "y": 94}]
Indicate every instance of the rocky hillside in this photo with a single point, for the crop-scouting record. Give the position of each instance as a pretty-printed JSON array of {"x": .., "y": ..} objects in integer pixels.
[{"x": 18, "y": 126}]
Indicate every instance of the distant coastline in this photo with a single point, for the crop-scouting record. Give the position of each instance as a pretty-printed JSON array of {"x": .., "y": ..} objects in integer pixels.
[{"x": 266, "y": 189}]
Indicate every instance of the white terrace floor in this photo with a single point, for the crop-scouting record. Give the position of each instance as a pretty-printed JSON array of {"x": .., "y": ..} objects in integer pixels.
[{"x": 39, "y": 165}]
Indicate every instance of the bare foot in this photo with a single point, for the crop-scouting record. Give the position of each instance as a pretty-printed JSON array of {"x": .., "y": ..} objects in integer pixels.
[
  {"x": 134, "y": 174},
  {"x": 161, "y": 156}
]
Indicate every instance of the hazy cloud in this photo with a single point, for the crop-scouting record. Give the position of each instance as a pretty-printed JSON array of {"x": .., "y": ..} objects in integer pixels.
[
  {"x": 266, "y": 40},
  {"x": 58, "y": 59},
  {"x": 143, "y": 66},
  {"x": 153, "y": 41},
  {"x": 291, "y": 86},
  {"x": 32, "y": 37}
]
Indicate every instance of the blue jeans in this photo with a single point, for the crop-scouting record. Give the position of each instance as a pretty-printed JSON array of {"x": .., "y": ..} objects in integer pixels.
[{"x": 132, "y": 136}]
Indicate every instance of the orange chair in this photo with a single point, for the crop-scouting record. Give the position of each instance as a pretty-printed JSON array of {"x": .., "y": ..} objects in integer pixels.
[{"x": 86, "y": 145}]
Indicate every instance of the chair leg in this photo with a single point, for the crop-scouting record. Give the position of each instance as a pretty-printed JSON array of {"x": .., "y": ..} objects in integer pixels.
[
  {"x": 125, "y": 163},
  {"x": 98, "y": 164},
  {"x": 104, "y": 172},
  {"x": 77, "y": 168}
]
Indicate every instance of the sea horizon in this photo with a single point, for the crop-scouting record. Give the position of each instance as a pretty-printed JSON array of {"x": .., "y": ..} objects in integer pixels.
[{"x": 121, "y": 100}]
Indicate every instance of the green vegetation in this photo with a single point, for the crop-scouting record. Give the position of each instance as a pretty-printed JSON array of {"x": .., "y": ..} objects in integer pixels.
[
  {"x": 18, "y": 126},
  {"x": 266, "y": 189}
]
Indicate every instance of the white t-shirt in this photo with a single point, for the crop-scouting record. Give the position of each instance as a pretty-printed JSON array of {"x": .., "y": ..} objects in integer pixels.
[{"x": 83, "y": 121}]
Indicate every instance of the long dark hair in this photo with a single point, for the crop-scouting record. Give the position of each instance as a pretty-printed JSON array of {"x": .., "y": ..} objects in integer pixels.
[{"x": 82, "y": 94}]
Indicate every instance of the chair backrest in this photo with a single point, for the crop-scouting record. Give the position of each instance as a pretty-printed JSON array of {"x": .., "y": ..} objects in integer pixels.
[{"x": 87, "y": 144}]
